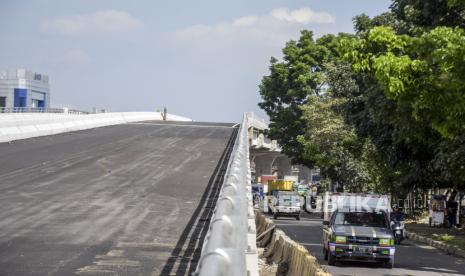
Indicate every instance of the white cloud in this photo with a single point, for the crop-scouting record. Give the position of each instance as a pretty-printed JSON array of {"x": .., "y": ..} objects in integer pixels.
[
  {"x": 102, "y": 22},
  {"x": 278, "y": 25},
  {"x": 245, "y": 21},
  {"x": 302, "y": 16},
  {"x": 243, "y": 46}
]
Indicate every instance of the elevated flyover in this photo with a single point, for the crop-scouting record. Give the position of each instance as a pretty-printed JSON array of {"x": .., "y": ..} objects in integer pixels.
[{"x": 128, "y": 199}]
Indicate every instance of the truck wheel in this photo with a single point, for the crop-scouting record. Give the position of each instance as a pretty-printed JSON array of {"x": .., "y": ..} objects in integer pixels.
[
  {"x": 331, "y": 259},
  {"x": 389, "y": 264}
]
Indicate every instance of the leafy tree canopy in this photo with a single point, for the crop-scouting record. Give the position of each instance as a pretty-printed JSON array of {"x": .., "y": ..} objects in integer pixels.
[
  {"x": 431, "y": 82},
  {"x": 382, "y": 109},
  {"x": 334, "y": 146},
  {"x": 290, "y": 83}
]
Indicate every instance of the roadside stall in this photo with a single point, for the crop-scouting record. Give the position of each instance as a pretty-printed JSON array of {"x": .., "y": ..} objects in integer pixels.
[{"x": 437, "y": 209}]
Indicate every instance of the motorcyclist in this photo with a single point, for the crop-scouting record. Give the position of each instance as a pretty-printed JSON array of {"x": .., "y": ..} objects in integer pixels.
[
  {"x": 397, "y": 225},
  {"x": 397, "y": 214}
]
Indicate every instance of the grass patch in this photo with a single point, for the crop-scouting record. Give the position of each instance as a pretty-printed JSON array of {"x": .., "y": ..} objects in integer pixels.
[
  {"x": 444, "y": 237},
  {"x": 450, "y": 236},
  {"x": 449, "y": 239}
]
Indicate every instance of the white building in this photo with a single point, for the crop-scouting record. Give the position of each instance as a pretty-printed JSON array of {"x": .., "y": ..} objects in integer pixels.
[
  {"x": 23, "y": 88},
  {"x": 266, "y": 157}
]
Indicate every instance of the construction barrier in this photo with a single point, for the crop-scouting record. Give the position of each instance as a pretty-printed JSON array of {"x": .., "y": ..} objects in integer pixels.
[{"x": 292, "y": 258}]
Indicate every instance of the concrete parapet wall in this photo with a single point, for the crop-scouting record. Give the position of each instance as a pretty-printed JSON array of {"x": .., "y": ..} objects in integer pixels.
[
  {"x": 15, "y": 126},
  {"x": 229, "y": 247},
  {"x": 292, "y": 258}
]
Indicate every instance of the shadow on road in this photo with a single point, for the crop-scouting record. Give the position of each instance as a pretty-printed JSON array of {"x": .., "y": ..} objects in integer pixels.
[{"x": 187, "y": 251}]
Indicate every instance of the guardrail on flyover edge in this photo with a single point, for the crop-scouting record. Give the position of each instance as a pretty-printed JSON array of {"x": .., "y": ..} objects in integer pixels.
[
  {"x": 230, "y": 245},
  {"x": 40, "y": 110}
]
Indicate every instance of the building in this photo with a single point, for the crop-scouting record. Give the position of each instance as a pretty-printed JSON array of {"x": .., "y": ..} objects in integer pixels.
[
  {"x": 266, "y": 157},
  {"x": 24, "y": 89}
]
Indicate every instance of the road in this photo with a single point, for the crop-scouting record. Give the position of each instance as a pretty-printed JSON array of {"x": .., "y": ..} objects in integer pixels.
[
  {"x": 411, "y": 258},
  {"x": 118, "y": 200}
]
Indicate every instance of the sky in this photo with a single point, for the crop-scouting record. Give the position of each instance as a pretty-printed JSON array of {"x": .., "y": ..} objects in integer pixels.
[{"x": 202, "y": 59}]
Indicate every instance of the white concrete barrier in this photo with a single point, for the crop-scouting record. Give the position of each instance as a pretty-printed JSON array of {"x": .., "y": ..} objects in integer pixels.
[{"x": 27, "y": 125}]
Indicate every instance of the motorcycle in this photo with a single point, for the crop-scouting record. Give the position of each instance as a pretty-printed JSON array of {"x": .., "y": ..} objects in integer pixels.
[{"x": 398, "y": 227}]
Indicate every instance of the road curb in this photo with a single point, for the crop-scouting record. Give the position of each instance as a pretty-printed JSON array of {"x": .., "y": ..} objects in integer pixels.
[{"x": 449, "y": 249}]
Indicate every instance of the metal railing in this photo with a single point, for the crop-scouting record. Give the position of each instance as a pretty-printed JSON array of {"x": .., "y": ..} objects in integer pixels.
[
  {"x": 77, "y": 112},
  {"x": 40, "y": 110},
  {"x": 230, "y": 244}
]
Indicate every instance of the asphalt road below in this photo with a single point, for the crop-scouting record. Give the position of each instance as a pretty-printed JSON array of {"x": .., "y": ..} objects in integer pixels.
[
  {"x": 118, "y": 200},
  {"x": 411, "y": 258}
]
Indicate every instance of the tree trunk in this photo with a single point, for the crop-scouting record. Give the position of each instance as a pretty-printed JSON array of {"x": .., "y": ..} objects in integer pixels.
[
  {"x": 412, "y": 202},
  {"x": 460, "y": 213}
]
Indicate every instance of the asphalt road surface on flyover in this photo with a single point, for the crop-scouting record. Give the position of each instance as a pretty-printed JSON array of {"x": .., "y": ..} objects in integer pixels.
[
  {"x": 119, "y": 200},
  {"x": 411, "y": 258}
]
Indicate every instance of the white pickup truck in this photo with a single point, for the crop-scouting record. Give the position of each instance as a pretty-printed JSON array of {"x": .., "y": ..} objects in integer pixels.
[
  {"x": 354, "y": 202},
  {"x": 286, "y": 204},
  {"x": 357, "y": 227}
]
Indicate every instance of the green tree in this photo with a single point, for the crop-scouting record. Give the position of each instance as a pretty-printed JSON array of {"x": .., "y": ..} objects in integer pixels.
[
  {"x": 392, "y": 108},
  {"x": 431, "y": 82},
  {"x": 418, "y": 16},
  {"x": 288, "y": 86},
  {"x": 334, "y": 146},
  {"x": 414, "y": 17},
  {"x": 409, "y": 101}
]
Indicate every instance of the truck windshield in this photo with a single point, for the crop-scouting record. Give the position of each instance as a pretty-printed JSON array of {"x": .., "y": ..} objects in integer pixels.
[{"x": 360, "y": 219}]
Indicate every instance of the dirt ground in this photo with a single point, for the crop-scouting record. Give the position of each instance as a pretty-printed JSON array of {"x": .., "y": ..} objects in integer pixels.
[{"x": 265, "y": 268}]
